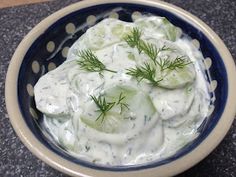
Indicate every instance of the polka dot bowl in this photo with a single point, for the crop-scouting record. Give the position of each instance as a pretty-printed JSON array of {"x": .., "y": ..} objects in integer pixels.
[{"x": 46, "y": 47}]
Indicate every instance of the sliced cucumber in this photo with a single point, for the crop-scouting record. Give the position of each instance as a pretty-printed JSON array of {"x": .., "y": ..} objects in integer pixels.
[
  {"x": 52, "y": 90},
  {"x": 174, "y": 103},
  {"x": 137, "y": 107},
  {"x": 171, "y": 32},
  {"x": 117, "y": 29},
  {"x": 105, "y": 33},
  {"x": 188, "y": 118},
  {"x": 174, "y": 77},
  {"x": 177, "y": 78},
  {"x": 159, "y": 27},
  {"x": 109, "y": 124},
  {"x": 113, "y": 93}
]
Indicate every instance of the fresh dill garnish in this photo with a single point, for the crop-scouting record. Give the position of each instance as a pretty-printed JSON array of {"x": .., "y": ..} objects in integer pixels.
[
  {"x": 165, "y": 48},
  {"x": 90, "y": 62},
  {"x": 178, "y": 62},
  {"x": 122, "y": 104},
  {"x": 133, "y": 39},
  {"x": 149, "y": 49},
  {"x": 103, "y": 106},
  {"x": 144, "y": 72}
]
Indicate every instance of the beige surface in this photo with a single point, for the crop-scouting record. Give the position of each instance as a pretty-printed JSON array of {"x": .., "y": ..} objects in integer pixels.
[{"x": 9, "y": 3}]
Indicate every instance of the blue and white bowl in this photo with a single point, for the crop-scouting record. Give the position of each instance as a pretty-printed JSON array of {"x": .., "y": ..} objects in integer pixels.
[{"x": 46, "y": 47}]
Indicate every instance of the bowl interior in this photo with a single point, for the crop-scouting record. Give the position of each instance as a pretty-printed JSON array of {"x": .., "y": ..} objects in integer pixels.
[{"x": 49, "y": 51}]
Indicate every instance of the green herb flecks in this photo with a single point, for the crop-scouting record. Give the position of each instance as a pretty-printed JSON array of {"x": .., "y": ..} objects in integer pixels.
[
  {"x": 90, "y": 62},
  {"x": 144, "y": 72},
  {"x": 178, "y": 63}
]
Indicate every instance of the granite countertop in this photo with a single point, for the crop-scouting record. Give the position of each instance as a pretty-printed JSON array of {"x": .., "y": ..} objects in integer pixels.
[{"x": 16, "y": 160}]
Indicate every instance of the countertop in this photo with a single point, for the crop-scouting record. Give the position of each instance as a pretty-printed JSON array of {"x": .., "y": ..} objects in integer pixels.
[{"x": 15, "y": 22}]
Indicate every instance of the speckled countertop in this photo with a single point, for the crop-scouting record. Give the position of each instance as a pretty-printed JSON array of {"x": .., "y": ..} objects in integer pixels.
[{"x": 16, "y": 22}]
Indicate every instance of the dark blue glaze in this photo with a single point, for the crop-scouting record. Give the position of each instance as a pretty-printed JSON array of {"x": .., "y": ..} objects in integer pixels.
[{"x": 57, "y": 33}]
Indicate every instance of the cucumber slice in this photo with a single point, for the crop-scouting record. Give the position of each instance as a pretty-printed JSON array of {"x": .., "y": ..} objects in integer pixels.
[
  {"x": 113, "y": 93},
  {"x": 138, "y": 107},
  {"x": 159, "y": 27},
  {"x": 117, "y": 29},
  {"x": 109, "y": 124},
  {"x": 179, "y": 76},
  {"x": 105, "y": 33},
  {"x": 193, "y": 115},
  {"x": 171, "y": 32},
  {"x": 52, "y": 90},
  {"x": 171, "y": 77},
  {"x": 174, "y": 103}
]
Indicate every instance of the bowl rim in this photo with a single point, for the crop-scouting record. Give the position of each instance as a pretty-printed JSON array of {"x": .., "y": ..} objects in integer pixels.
[{"x": 63, "y": 165}]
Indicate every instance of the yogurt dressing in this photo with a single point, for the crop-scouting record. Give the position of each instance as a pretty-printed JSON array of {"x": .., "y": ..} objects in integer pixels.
[{"x": 159, "y": 120}]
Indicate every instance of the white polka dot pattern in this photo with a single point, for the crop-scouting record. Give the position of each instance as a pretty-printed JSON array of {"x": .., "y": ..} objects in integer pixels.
[
  {"x": 213, "y": 86},
  {"x": 114, "y": 15},
  {"x": 64, "y": 51},
  {"x": 50, "y": 46},
  {"x": 136, "y": 15},
  {"x": 35, "y": 67},
  {"x": 91, "y": 19},
  {"x": 211, "y": 110},
  {"x": 208, "y": 63},
  {"x": 51, "y": 66},
  {"x": 30, "y": 89},
  {"x": 196, "y": 43},
  {"x": 70, "y": 28},
  {"x": 33, "y": 113}
]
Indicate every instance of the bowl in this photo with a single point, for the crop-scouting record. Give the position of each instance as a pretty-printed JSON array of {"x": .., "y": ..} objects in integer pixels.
[{"x": 46, "y": 47}]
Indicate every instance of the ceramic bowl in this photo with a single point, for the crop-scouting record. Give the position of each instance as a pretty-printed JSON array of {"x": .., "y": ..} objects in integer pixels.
[{"x": 46, "y": 47}]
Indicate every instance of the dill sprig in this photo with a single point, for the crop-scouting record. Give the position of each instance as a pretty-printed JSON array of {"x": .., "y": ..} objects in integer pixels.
[
  {"x": 90, "y": 62},
  {"x": 144, "y": 72},
  {"x": 149, "y": 49},
  {"x": 133, "y": 39},
  {"x": 103, "y": 106},
  {"x": 178, "y": 62},
  {"x": 121, "y": 103},
  {"x": 165, "y": 48}
]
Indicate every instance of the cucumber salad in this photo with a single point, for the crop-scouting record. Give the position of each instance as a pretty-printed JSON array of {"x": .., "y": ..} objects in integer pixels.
[{"x": 128, "y": 93}]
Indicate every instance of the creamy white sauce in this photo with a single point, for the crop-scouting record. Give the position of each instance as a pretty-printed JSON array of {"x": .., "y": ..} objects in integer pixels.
[{"x": 160, "y": 120}]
